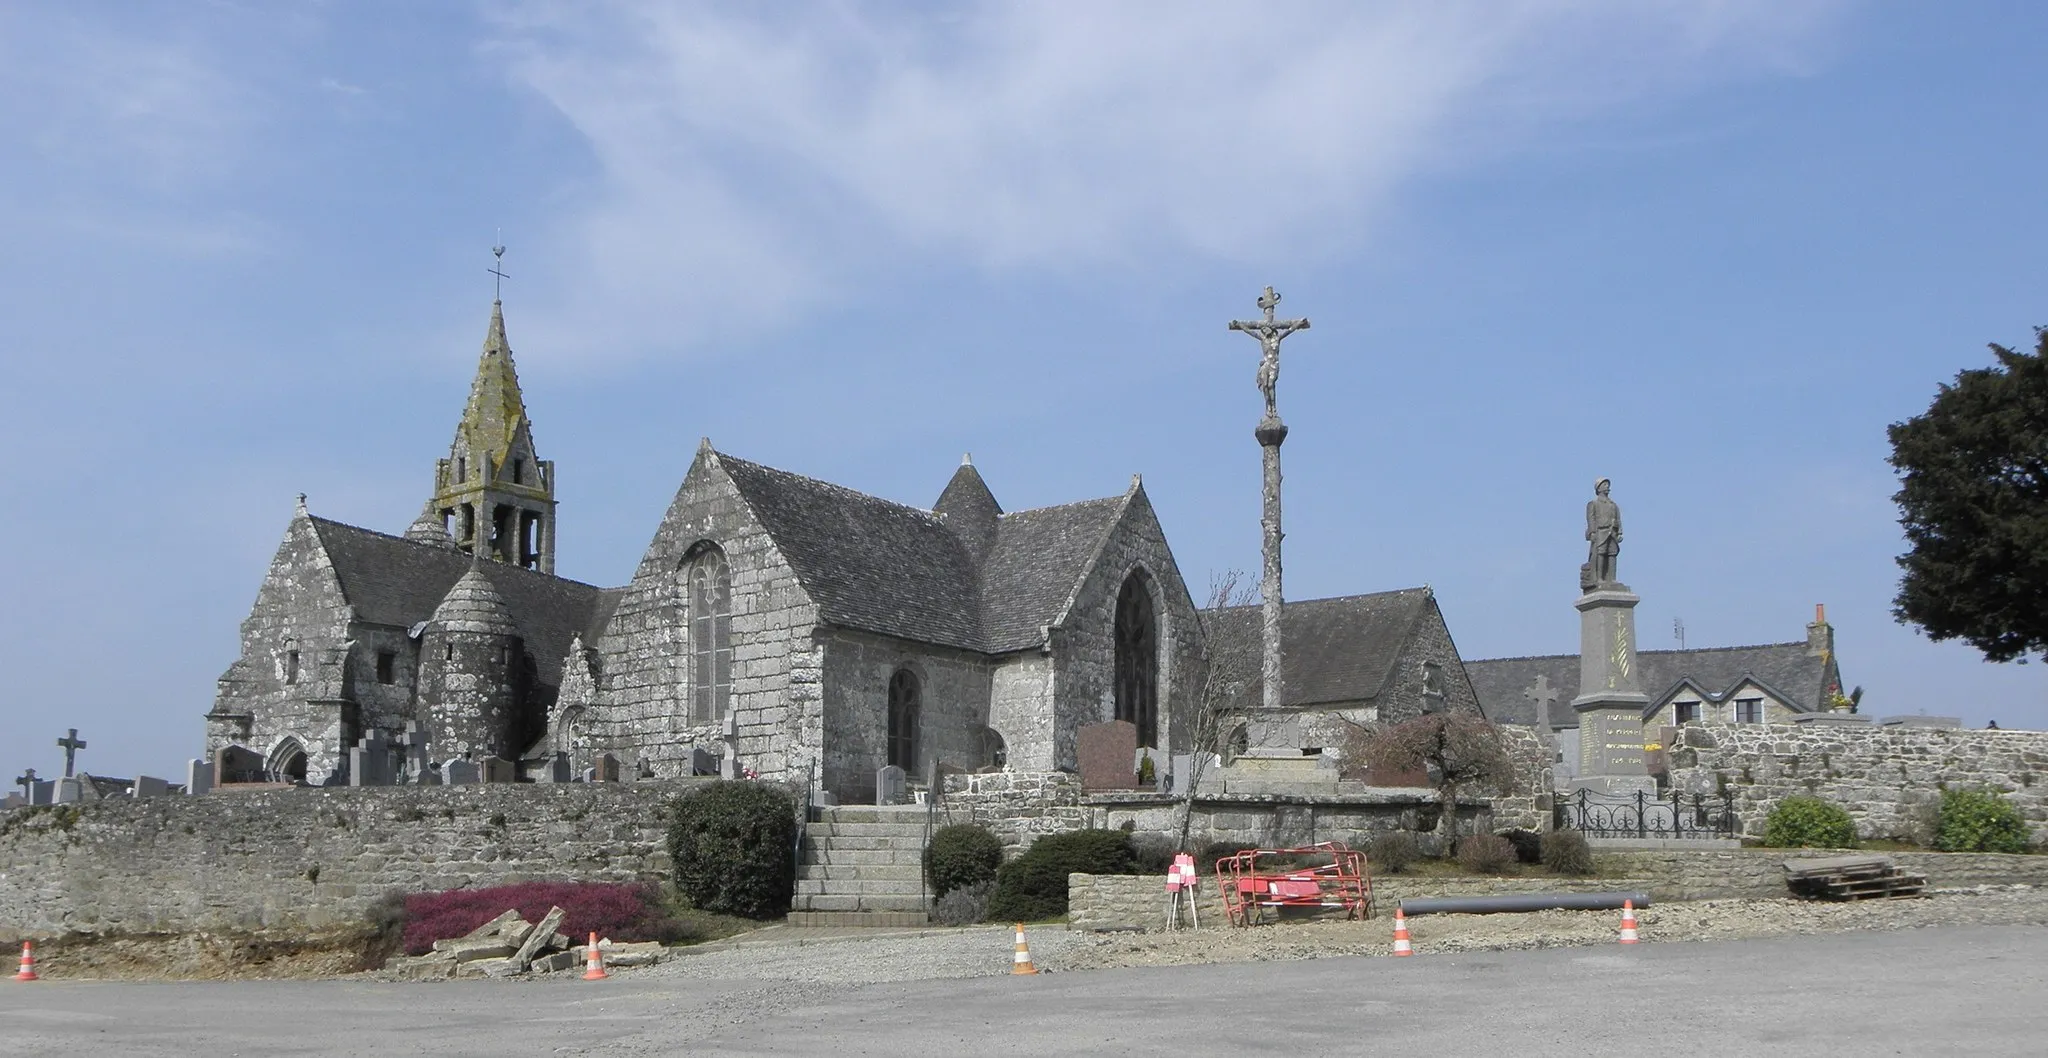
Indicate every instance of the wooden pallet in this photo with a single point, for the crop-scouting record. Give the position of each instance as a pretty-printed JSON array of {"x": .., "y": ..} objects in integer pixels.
[{"x": 1852, "y": 878}]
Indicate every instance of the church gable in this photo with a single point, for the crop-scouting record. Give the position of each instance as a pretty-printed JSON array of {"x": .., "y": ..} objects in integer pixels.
[{"x": 300, "y": 610}]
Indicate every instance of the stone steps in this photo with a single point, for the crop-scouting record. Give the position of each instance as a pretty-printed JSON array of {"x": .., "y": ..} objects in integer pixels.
[
  {"x": 864, "y": 902},
  {"x": 836, "y": 829},
  {"x": 895, "y": 919},
  {"x": 863, "y": 866},
  {"x": 835, "y": 856},
  {"x": 861, "y": 872}
]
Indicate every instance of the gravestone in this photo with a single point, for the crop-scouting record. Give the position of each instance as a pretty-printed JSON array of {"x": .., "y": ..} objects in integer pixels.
[
  {"x": 233, "y": 764},
  {"x": 702, "y": 762},
  {"x": 557, "y": 769},
  {"x": 43, "y": 792},
  {"x": 891, "y": 786},
  {"x": 461, "y": 773},
  {"x": 497, "y": 769},
  {"x": 151, "y": 786},
  {"x": 369, "y": 763},
  {"x": 605, "y": 768},
  {"x": 643, "y": 769},
  {"x": 69, "y": 791},
  {"x": 198, "y": 777},
  {"x": 729, "y": 765},
  {"x": 412, "y": 749},
  {"x": 1106, "y": 752}
]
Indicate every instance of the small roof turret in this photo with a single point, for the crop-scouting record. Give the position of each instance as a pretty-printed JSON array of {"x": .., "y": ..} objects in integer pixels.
[
  {"x": 970, "y": 510},
  {"x": 475, "y": 605},
  {"x": 429, "y": 529}
]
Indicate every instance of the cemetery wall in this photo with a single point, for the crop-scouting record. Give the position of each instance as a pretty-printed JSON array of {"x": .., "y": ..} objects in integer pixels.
[
  {"x": 309, "y": 858},
  {"x": 1017, "y": 806},
  {"x": 1527, "y": 804},
  {"x": 1118, "y": 902},
  {"x": 1281, "y": 820},
  {"x": 1888, "y": 778}
]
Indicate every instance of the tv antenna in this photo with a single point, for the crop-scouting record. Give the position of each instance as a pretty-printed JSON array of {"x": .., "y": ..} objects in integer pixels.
[{"x": 1678, "y": 631}]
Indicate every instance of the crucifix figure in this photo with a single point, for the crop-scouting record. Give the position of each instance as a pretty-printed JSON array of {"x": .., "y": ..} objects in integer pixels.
[
  {"x": 71, "y": 744},
  {"x": 1269, "y": 332},
  {"x": 27, "y": 782}
]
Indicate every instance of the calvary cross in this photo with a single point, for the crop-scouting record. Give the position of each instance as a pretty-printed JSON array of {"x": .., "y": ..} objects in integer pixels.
[
  {"x": 1544, "y": 695},
  {"x": 71, "y": 744},
  {"x": 27, "y": 782},
  {"x": 1269, "y": 332}
]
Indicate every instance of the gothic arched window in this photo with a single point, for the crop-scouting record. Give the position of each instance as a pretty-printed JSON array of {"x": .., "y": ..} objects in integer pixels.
[
  {"x": 1137, "y": 659},
  {"x": 710, "y": 636},
  {"x": 905, "y": 698}
]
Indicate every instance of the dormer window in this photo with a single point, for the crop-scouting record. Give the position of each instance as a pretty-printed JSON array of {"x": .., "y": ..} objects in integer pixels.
[
  {"x": 1749, "y": 710},
  {"x": 1685, "y": 712}
]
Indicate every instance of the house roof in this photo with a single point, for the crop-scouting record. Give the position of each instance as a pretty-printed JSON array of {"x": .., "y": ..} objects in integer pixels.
[
  {"x": 1333, "y": 650},
  {"x": 1787, "y": 668},
  {"x": 895, "y": 570},
  {"x": 393, "y": 581}
]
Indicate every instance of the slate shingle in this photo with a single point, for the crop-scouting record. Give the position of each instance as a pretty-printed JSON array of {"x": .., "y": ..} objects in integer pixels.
[
  {"x": 1332, "y": 650},
  {"x": 1786, "y": 667}
]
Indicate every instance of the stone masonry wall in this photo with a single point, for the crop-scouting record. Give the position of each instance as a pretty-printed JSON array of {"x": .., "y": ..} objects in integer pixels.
[
  {"x": 1126, "y": 901},
  {"x": 953, "y": 689},
  {"x": 312, "y": 858},
  {"x": 298, "y": 607},
  {"x": 1527, "y": 805},
  {"x": 1281, "y": 821},
  {"x": 1017, "y": 806},
  {"x": 1085, "y": 645},
  {"x": 1021, "y": 710},
  {"x": 1889, "y": 778},
  {"x": 642, "y": 707}
]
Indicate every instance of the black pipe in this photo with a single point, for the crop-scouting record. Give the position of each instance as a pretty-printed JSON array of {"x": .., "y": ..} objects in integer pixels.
[{"x": 1489, "y": 905}]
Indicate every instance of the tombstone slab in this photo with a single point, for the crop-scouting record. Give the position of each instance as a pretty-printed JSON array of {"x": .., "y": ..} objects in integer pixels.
[
  {"x": 69, "y": 791},
  {"x": 1106, "y": 752},
  {"x": 461, "y": 773},
  {"x": 557, "y": 769},
  {"x": 892, "y": 786},
  {"x": 497, "y": 769},
  {"x": 703, "y": 762},
  {"x": 151, "y": 786},
  {"x": 198, "y": 777},
  {"x": 43, "y": 792},
  {"x": 606, "y": 768}
]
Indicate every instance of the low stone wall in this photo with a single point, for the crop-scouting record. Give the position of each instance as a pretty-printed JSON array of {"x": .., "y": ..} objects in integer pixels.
[
  {"x": 1282, "y": 821},
  {"x": 1527, "y": 804},
  {"x": 1017, "y": 806},
  {"x": 1889, "y": 778},
  {"x": 310, "y": 858},
  {"x": 1109, "y": 901},
  {"x": 1105, "y": 902}
]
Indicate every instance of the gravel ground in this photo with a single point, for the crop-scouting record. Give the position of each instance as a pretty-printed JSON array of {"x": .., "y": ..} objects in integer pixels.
[{"x": 983, "y": 951}]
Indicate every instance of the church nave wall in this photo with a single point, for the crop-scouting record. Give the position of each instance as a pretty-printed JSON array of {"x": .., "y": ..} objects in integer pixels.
[{"x": 953, "y": 689}]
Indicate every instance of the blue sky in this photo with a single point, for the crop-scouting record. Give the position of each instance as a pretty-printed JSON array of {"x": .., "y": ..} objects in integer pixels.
[{"x": 1708, "y": 250}]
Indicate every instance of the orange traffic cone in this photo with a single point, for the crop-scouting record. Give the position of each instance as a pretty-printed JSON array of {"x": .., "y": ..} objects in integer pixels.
[
  {"x": 594, "y": 962},
  {"x": 28, "y": 963},
  {"x": 1628, "y": 922},
  {"x": 1022, "y": 964},
  {"x": 1401, "y": 934}
]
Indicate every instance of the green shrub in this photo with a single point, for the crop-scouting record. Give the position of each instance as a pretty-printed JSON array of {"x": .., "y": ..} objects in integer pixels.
[
  {"x": 1207, "y": 855},
  {"x": 1528, "y": 845},
  {"x": 1393, "y": 852},
  {"x": 1566, "y": 852},
  {"x": 1152, "y": 854},
  {"x": 960, "y": 856},
  {"x": 733, "y": 845},
  {"x": 1034, "y": 885},
  {"x": 1485, "y": 853},
  {"x": 1809, "y": 822},
  {"x": 964, "y": 906},
  {"x": 1979, "y": 821}
]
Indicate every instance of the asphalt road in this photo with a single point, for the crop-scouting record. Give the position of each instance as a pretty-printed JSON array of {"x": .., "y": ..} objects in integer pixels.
[{"x": 1976, "y": 991}]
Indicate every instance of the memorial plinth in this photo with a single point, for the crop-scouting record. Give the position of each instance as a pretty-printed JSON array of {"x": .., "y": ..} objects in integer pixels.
[{"x": 1611, "y": 699}]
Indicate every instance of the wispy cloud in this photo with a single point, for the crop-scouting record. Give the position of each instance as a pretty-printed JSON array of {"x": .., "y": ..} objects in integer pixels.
[{"x": 789, "y": 154}]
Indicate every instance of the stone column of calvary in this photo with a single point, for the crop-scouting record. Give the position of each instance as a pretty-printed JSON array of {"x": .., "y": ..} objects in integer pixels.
[{"x": 1270, "y": 432}]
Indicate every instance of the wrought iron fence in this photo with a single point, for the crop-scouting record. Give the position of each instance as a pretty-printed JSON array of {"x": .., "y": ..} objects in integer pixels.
[{"x": 1646, "y": 815}]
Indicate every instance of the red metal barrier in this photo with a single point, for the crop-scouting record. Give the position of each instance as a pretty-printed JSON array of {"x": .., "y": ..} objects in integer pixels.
[{"x": 1257, "y": 879}]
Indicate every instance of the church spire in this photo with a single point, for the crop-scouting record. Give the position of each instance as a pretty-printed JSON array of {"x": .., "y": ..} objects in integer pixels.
[{"x": 498, "y": 495}]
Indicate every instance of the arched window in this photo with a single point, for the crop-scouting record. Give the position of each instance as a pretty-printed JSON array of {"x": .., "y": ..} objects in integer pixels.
[
  {"x": 286, "y": 763},
  {"x": 904, "y": 701},
  {"x": 1137, "y": 659},
  {"x": 710, "y": 636}
]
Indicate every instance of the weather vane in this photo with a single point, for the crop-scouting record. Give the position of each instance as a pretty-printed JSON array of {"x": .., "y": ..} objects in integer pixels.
[{"x": 497, "y": 269}]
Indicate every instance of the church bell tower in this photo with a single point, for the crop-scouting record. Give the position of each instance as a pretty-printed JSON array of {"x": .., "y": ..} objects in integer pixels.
[{"x": 496, "y": 497}]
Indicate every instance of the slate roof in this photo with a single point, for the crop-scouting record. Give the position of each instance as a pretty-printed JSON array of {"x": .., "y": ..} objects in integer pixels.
[
  {"x": 1333, "y": 650},
  {"x": 1039, "y": 558},
  {"x": 895, "y": 570},
  {"x": 392, "y": 581},
  {"x": 1786, "y": 668}
]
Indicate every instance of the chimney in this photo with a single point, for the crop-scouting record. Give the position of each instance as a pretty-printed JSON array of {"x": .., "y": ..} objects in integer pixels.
[{"x": 1820, "y": 636}]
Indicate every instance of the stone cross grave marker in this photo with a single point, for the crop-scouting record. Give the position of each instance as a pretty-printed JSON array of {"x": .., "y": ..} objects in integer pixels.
[
  {"x": 198, "y": 777},
  {"x": 71, "y": 744},
  {"x": 891, "y": 785},
  {"x": 498, "y": 769},
  {"x": 412, "y": 745},
  {"x": 605, "y": 768},
  {"x": 1545, "y": 696},
  {"x": 151, "y": 786},
  {"x": 459, "y": 772},
  {"x": 27, "y": 781},
  {"x": 1106, "y": 752},
  {"x": 369, "y": 762}
]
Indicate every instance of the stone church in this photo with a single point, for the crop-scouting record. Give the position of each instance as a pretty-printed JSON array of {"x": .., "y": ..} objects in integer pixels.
[{"x": 777, "y": 625}]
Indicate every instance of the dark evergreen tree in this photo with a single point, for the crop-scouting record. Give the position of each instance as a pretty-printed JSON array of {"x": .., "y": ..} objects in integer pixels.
[{"x": 1973, "y": 499}]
